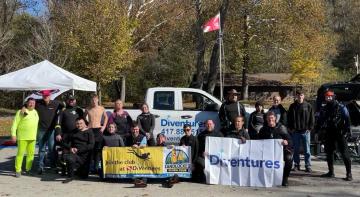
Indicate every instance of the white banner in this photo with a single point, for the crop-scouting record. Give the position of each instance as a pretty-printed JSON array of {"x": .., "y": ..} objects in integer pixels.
[{"x": 257, "y": 163}]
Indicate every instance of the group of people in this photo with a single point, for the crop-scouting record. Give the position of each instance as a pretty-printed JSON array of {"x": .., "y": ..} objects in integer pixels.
[
  {"x": 294, "y": 126},
  {"x": 82, "y": 134}
]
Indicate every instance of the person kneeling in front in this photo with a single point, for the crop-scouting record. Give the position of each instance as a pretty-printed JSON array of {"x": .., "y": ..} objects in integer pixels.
[
  {"x": 78, "y": 149},
  {"x": 273, "y": 130},
  {"x": 138, "y": 140}
]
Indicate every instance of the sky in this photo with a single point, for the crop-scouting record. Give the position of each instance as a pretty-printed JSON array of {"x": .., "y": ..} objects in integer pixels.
[{"x": 35, "y": 7}]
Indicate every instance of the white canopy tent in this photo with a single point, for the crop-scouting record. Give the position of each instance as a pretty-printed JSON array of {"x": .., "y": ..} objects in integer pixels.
[{"x": 44, "y": 75}]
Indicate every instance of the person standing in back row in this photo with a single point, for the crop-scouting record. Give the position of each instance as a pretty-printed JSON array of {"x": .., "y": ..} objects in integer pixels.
[
  {"x": 48, "y": 111},
  {"x": 122, "y": 120},
  {"x": 279, "y": 111},
  {"x": 300, "y": 123},
  {"x": 229, "y": 110},
  {"x": 256, "y": 120},
  {"x": 146, "y": 123},
  {"x": 95, "y": 114},
  {"x": 67, "y": 118}
]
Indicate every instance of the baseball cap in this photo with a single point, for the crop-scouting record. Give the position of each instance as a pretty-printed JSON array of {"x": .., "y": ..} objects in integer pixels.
[
  {"x": 45, "y": 92},
  {"x": 329, "y": 93}
]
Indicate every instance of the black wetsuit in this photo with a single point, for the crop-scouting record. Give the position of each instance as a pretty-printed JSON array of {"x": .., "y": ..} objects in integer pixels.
[
  {"x": 280, "y": 132},
  {"x": 84, "y": 142}
]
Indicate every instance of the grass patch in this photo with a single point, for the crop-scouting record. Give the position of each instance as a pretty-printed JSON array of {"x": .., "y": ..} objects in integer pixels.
[
  {"x": 5, "y": 126},
  {"x": 7, "y": 112}
]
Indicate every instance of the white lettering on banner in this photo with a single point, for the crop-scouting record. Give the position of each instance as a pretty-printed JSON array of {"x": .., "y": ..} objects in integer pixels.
[{"x": 257, "y": 163}]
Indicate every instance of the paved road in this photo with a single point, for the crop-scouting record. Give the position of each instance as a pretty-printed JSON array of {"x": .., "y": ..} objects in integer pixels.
[{"x": 301, "y": 184}]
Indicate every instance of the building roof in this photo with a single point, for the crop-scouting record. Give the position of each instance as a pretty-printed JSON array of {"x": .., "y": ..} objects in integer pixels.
[{"x": 258, "y": 79}]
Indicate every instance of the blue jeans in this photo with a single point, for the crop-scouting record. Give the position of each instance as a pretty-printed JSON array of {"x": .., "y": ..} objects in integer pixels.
[
  {"x": 45, "y": 137},
  {"x": 300, "y": 138}
]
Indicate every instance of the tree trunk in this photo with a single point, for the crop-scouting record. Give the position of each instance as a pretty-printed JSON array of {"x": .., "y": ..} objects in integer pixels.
[
  {"x": 213, "y": 69},
  {"x": 245, "y": 85},
  {"x": 117, "y": 84},
  {"x": 214, "y": 60},
  {"x": 120, "y": 88},
  {"x": 198, "y": 79},
  {"x": 123, "y": 91},
  {"x": 99, "y": 92}
]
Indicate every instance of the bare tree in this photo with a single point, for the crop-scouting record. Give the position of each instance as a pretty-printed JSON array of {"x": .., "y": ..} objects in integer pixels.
[
  {"x": 8, "y": 9},
  {"x": 44, "y": 44},
  {"x": 198, "y": 79}
]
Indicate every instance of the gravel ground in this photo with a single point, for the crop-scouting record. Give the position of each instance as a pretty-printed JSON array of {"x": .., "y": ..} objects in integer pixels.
[{"x": 49, "y": 184}]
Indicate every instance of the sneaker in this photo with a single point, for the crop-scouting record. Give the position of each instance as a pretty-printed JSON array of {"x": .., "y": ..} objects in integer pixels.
[
  {"x": 308, "y": 169},
  {"x": 139, "y": 183},
  {"x": 174, "y": 179},
  {"x": 167, "y": 184},
  {"x": 348, "y": 177},
  {"x": 17, "y": 174},
  {"x": 328, "y": 175}
]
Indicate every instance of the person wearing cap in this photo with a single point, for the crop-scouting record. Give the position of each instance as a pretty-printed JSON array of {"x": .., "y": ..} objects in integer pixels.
[
  {"x": 230, "y": 109},
  {"x": 301, "y": 122},
  {"x": 67, "y": 118},
  {"x": 23, "y": 131},
  {"x": 48, "y": 111},
  {"x": 334, "y": 120},
  {"x": 256, "y": 120},
  {"x": 279, "y": 110}
]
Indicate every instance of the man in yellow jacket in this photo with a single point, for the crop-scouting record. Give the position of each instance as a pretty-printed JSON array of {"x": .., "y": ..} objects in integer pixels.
[{"x": 23, "y": 131}]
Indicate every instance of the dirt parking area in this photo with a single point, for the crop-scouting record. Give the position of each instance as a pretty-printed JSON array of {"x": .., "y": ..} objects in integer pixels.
[{"x": 50, "y": 184}]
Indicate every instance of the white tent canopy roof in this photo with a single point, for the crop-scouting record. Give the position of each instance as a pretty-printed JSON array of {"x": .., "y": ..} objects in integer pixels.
[{"x": 44, "y": 75}]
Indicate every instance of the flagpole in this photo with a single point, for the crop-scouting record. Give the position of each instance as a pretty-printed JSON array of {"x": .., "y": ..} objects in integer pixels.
[{"x": 220, "y": 66}]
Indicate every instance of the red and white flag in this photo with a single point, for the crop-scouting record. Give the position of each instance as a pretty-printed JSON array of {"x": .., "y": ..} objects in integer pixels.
[{"x": 212, "y": 24}]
